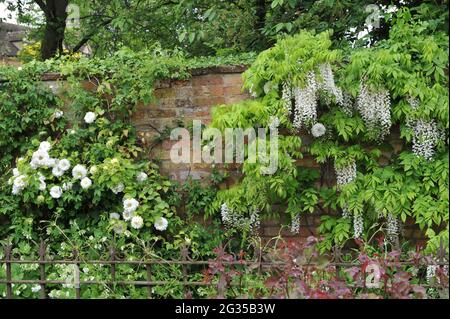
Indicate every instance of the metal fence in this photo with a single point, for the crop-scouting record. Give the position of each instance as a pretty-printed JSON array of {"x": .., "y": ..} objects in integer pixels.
[{"x": 184, "y": 262}]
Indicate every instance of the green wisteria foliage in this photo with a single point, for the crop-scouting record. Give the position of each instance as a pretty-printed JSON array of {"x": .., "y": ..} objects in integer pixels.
[{"x": 378, "y": 115}]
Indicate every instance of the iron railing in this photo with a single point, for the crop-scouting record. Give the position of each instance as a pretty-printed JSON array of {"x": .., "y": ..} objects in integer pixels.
[{"x": 336, "y": 260}]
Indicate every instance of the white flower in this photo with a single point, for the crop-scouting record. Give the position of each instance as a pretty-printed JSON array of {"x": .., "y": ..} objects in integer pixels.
[
  {"x": 346, "y": 174},
  {"x": 127, "y": 215},
  {"x": 86, "y": 183},
  {"x": 19, "y": 68},
  {"x": 42, "y": 185},
  {"x": 16, "y": 190},
  {"x": 161, "y": 224},
  {"x": 67, "y": 186},
  {"x": 118, "y": 189},
  {"x": 55, "y": 192},
  {"x": 119, "y": 228},
  {"x": 93, "y": 170},
  {"x": 79, "y": 171},
  {"x": 40, "y": 158},
  {"x": 305, "y": 110},
  {"x": 36, "y": 288},
  {"x": 64, "y": 164},
  {"x": 58, "y": 113},
  {"x": 90, "y": 117},
  {"x": 114, "y": 216},
  {"x": 358, "y": 225},
  {"x": 130, "y": 205},
  {"x": 58, "y": 172},
  {"x": 20, "y": 181},
  {"x": 51, "y": 162},
  {"x": 45, "y": 146},
  {"x": 318, "y": 130},
  {"x": 141, "y": 177},
  {"x": 137, "y": 222},
  {"x": 16, "y": 172}
]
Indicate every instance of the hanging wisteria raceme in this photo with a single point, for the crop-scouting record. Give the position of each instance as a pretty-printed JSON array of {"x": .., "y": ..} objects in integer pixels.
[
  {"x": 345, "y": 174},
  {"x": 347, "y": 105},
  {"x": 413, "y": 102},
  {"x": 358, "y": 225},
  {"x": 287, "y": 96},
  {"x": 392, "y": 228},
  {"x": 346, "y": 213},
  {"x": 295, "y": 224},
  {"x": 375, "y": 109},
  {"x": 305, "y": 111},
  {"x": 235, "y": 220},
  {"x": 328, "y": 84},
  {"x": 426, "y": 135}
]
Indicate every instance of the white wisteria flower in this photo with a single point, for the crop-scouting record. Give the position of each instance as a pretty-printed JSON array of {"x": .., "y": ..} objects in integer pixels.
[
  {"x": 114, "y": 216},
  {"x": 45, "y": 146},
  {"x": 118, "y": 188},
  {"x": 90, "y": 117},
  {"x": 318, "y": 130},
  {"x": 56, "y": 192},
  {"x": 79, "y": 171},
  {"x": 16, "y": 172},
  {"x": 137, "y": 222},
  {"x": 85, "y": 183},
  {"x": 58, "y": 113},
  {"x": 130, "y": 205},
  {"x": 161, "y": 224},
  {"x": 57, "y": 171},
  {"x": 64, "y": 164},
  {"x": 141, "y": 177}
]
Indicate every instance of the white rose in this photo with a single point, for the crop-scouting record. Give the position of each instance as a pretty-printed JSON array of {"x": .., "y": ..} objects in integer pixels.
[
  {"x": 90, "y": 117},
  {"x": 161, "y": 224},
  {"x": 130, "y": 205},
  {"x": 55, "y": 192},
  {"x": 141, "y": 177},
  {"x": 79, "y": 171},
  {"x": 58, "y": 172},
  {"x": 86, "y": 183},
  {"x": 318, "y": 130},
  {"x": 127, "y": 215},
  {"x": 114, "y": 216},
  {"x": 64, "y": 164},
  {"x": 40, "y": 158},
  {"x": 58, "y": 113},
  {"x": 137, "y": 222},
  {"x": 118, "y": 189},
  {"x": 93, "y": 170},
  {"x": 45, "y": 146}
]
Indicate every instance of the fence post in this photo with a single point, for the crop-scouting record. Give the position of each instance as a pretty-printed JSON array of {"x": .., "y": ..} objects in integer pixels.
[
  {"x": 8, "y": 249},
  {"x": 77, "y": 275},
  {"x": 184, "y": 258},
  {"x": 42, "y": 268},
  {"x": 149, "y": 278},
  {"x": 112, "y": 256}
]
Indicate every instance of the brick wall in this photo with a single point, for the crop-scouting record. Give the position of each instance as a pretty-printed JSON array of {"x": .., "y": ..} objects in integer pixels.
[{"x": 188, "y": 100}]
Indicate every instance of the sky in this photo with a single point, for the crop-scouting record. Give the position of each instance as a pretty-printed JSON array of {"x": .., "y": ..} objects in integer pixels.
[{"x": 4, "y": 14}]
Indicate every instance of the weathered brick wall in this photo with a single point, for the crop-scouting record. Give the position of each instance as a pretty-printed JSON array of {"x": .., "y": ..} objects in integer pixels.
[{"x": 184, "y": 101}]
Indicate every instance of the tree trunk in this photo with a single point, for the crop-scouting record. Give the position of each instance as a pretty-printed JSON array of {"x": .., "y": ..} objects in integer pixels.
[
  {"x": 260, "y": 22},
  {"x": 55, "y": 19}
]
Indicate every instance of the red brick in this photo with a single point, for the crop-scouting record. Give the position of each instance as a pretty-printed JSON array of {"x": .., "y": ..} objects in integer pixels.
[
  {"x": 232, "y": 90},
  {"x": 210, "y": 79}
]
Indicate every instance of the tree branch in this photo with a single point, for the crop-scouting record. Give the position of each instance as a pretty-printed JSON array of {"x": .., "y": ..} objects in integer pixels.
[
  {"x": 89, "y": 36},
  {"x": 41, "y": 5}
]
